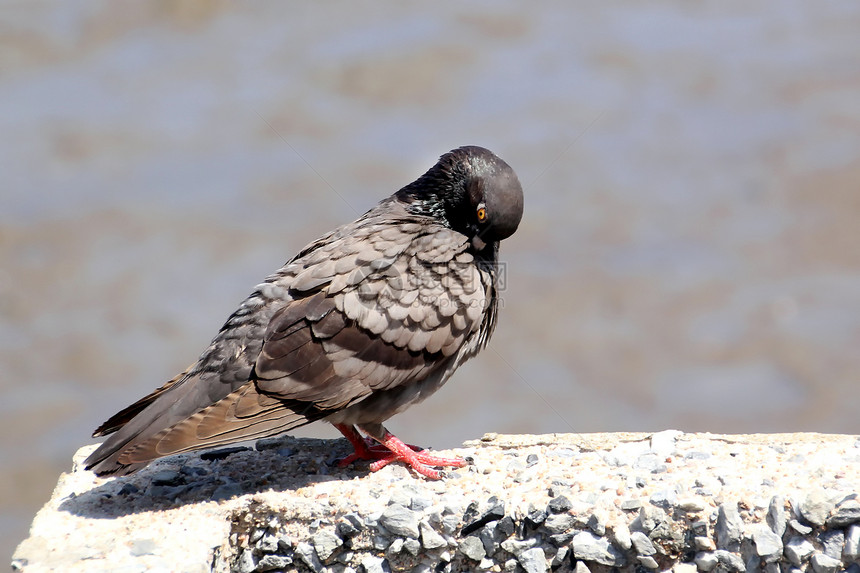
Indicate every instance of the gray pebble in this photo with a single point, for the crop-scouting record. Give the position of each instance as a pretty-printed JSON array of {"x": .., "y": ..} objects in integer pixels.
[
  {"x": 506, "y": 527},
  {"x": 535, "y": 515},
  {"x": 222, "y": 453},
  {"x": 798, "y": 549},
  {"x": 851, "y": 551},
  {"x": 581, "y": 567},
  {"x": 167, "y": 477},
  {"x": 558, "y": 523},
  {"x": 270, "y": 562},
  {"x": 412, "y": 546},
  {"x": 666, "y": 498},
  {"x": 473, "y": 548},
  {"x": 355, "y": 519},
  {"x": 510, "y": 566},
  {"x": 816, "y": 507},
  {"x": 488, "y": 537},
  {"x": 430, "y": 539},
  {"x": 449, "y": 524},
  {"x": 822, "y": 563},
  {"x": 531, "y": 460},
  {"x": 285, "y": 544},
  {"x": 517, "y": 546},
  {"x": 559, "y": 504},
  {"x": 372, "y": 520},
  {"x": 245, "y": 563},
  {"x": 706, "y": 561},
  {"x": 704, "y": 543},
  {"x": 596, "y": 524},
  {"x": 399, "y": 520},
  {"x": 533, "y": 560},
  {"x": 559, "y": 557},
  {"x": 256, "y": 535},
  {"x": 730, "y": 560},
  {"x": 799, "y": 527},
  {"x": 395, "y": 548},
  {"x": 306, "y": 553},
  {"x": 691, "y": 504},
  {"x": 697, "y": 455},
  {"x": 326, "y": 543},
  {"x": 647, "y": 562},
  {"x": 372, "y": 564},
  {"x": 562, "y": 539},
  {"x": 729, "y": 527},
  {"x": 847, "y": 512},
  {"x": 381, "y": 542},
  {"x": 268, "y": 544},
  {"x": 589, "y": 547},
  {"x": 642, "y": 544},
  {"x": 776, "y": 517},
  {"x": 649, "y": 519},
  {"x": 621, "y": 536},
  {"x": 269, "y": 443},
  {"x": 630, "y": 504},
  {"x": 832, "y": 542},
  {"x": 557, "y": 489},
  {"x": 768, "y": 545},
  {"x": 346, "y": 529}
]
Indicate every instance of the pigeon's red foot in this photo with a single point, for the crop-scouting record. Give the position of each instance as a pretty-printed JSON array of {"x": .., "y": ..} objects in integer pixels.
[{"x": 392, "y": 449}]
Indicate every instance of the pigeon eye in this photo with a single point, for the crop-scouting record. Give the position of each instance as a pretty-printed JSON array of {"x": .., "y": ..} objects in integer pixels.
[{"x": 482, "y": 214}]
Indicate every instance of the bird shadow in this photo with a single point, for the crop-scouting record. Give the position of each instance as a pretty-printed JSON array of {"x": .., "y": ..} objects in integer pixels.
[{"x": 277, "y": 464}]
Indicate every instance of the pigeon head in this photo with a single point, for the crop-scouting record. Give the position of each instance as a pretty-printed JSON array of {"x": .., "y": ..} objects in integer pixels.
[{"x": 472, "y": 191}]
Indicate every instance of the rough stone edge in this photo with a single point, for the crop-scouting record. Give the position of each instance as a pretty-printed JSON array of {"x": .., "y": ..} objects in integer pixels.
[{"x": 795, "y": 536}]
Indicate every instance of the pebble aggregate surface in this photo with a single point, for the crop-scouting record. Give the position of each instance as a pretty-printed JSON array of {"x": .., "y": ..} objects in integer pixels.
[{"x": 525, "y": 503}]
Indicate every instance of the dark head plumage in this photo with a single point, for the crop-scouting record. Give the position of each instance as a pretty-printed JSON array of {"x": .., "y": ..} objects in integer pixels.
[{"x": 471, "y": 190}]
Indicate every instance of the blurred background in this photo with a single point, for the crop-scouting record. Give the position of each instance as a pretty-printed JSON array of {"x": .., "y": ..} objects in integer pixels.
[{"x": 689, "y": 256}]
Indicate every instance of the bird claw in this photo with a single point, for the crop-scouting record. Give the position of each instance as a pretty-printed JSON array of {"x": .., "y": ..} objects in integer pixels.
[
  {"x": 392, "y": 449},
  {"x": 419, "y": 461}
]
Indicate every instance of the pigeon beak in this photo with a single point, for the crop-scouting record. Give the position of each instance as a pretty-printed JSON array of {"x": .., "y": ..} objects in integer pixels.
[{"x": 478, "y": 243}]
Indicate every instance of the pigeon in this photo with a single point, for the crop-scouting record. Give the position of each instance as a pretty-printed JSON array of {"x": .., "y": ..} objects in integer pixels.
[{"x": 364, "y": 322}]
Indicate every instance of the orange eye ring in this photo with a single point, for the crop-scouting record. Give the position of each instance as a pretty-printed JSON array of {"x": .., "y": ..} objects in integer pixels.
[{"x": 482, "y": 214}]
